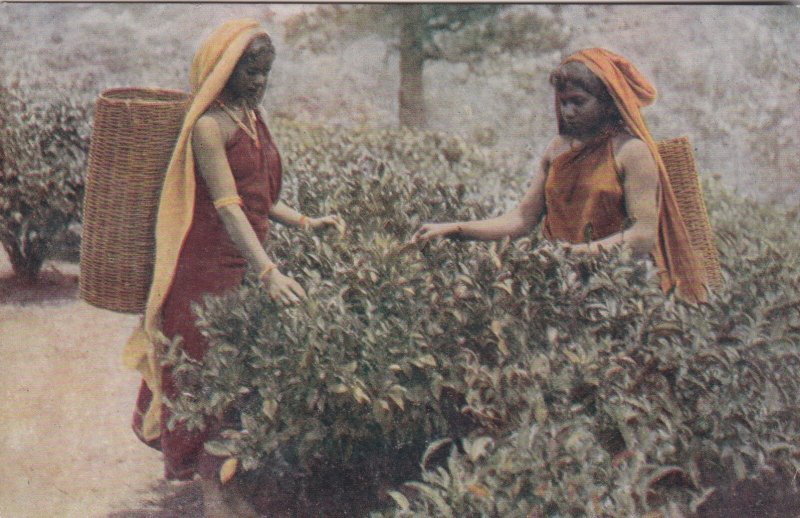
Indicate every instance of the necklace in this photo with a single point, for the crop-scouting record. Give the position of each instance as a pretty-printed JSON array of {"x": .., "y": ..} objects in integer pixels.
[
  {"x": 251, "y": 131},
  {"x": 575, "y": 144}
]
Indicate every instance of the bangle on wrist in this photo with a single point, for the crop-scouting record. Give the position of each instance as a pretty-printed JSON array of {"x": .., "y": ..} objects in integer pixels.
[
  {"x": 303, "y": 222},
  {"x": 268, "y": 268}
]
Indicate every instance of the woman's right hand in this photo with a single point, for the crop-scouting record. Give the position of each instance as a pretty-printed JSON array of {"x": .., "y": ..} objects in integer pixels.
[
  {"x": 430, "y": 231},
  {"x": 283, "y": 289}
]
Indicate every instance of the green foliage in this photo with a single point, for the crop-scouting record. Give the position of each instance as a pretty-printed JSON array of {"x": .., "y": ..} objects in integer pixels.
[
  {"x": 359, "y": 371},
  {"x": 511, "y": 32},
  {"x": 43, "y": 147},
  {"x": 562, "y": 385},
  {"x": 319, "y": 29},
  {"x": 456, "y": 33},
  {"x": 473, "y": 34},
  {"x": 643, "y": 405}
]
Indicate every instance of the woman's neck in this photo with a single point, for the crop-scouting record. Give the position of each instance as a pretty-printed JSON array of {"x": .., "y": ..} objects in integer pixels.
[
  {"x": 578, "y": 140},
  {"x": 234, "y": 103}
]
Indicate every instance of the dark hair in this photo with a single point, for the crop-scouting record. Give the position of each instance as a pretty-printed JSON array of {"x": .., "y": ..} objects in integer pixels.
[
  {"x": 577, "y": 74},
  {"x": 268, "y": 46}
]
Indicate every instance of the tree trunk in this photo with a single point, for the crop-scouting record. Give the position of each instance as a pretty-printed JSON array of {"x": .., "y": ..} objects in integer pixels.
[
  {"x": 412, "y": 60},
  {"x": 25, "y": 267}
]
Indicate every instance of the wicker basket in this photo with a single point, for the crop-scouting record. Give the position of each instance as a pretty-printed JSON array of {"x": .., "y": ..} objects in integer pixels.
[
  {"x": 677, "y": 156},
  {"x": 133, "y": 135}
]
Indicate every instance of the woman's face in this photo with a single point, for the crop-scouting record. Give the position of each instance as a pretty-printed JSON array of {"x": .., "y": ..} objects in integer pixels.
[
  {"x": 248, "y": 82},
  {"x": 582, "y": 114}
]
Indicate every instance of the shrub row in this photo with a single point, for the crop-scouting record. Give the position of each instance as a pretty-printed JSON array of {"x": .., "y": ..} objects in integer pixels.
[{"x": 528, "y": 382}]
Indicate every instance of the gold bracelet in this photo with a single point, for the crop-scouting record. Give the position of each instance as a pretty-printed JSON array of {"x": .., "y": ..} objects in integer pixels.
[
  {"x": 227, "y": 200},
  {"x": 303, "y": 222},
  {"x": 268, "y": 268}
]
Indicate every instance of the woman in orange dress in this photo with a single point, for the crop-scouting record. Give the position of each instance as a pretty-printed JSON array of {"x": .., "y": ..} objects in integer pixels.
[
  {"x": 600, "y": 181},
  {"x": 221, "y": 190}
]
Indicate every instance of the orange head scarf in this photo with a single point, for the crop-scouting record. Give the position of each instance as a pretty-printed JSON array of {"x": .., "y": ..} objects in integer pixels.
[
  {"x": 211, "y": 67},
  {"x": 678, "y": 263}
]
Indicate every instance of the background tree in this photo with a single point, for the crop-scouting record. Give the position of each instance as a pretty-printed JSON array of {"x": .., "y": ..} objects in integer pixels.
[{"x": 473, "y": 34}]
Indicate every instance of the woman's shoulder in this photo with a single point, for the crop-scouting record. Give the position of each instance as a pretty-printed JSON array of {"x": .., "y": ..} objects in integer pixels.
[
  {"x": 214, "y": 124},
  {"x": 623, "y": 138},
  {"x": 633, "y": 157},
  {"x": 557, "y": 145},
  {"x": 627, "y": 145}
]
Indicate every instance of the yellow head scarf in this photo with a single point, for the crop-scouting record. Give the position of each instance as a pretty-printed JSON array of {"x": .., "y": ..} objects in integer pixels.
[
  {"x": 678, "y": 263},
  {"x": 212, "y": 65}
]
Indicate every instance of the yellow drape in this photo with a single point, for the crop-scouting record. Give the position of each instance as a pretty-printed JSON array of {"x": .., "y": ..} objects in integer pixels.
[{"x": 211, "y": 67}]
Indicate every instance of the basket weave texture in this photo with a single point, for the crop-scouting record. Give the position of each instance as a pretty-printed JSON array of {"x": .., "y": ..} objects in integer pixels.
[
  {"x": 679, "y": 161},
  {"x": 133, "y": 134}
]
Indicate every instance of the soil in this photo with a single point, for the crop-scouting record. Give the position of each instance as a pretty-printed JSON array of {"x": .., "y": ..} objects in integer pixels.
[{"x": 66, "y": 448}]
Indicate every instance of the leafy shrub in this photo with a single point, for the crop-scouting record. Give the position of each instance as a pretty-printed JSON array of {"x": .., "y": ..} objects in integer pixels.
[
  {"x": 43, "y": 147},
  {"x": 564, "y": 385},
  {"x": 366, "y": 383},
  {"x": 642, "y": 405}
]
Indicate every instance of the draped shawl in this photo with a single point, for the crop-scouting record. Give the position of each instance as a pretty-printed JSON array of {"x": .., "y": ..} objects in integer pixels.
[
  {"x": 211, "y": 67},
  {"x": 679, "y": 265}
]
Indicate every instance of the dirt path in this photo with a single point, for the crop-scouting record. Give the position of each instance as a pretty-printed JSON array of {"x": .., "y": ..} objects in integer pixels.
[{"x": 66, "y": 448}]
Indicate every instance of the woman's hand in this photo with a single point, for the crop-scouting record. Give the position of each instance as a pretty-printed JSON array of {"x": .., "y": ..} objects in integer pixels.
[
  {"x": 328, "y": 221},
  {"x": 283, "y": 289},
  {"x": 430, "y": 231}
]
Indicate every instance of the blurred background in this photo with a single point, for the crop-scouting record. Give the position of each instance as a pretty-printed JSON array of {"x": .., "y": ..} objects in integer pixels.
[{"x": 727, "y": 76}]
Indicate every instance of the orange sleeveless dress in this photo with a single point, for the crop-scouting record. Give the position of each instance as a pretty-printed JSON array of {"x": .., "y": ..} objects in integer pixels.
[
  {"x": 680, "y": 267},
  {"x": 210, "y": 264},
  {"x": 584, "y": 195}
]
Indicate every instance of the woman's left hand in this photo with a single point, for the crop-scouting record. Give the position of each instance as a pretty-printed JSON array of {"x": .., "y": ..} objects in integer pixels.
[{"x": 328, "y": 221}]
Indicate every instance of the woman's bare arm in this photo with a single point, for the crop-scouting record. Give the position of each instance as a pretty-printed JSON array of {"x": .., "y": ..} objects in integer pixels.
[
  {"x": 518, "y": 222},
  {"x": 641, "y": 191},
  {"x": 285, "y": 215},
  {"x": 211, "y": 161}
]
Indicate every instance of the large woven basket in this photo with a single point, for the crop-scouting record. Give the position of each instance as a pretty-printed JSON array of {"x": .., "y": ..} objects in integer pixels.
[
  {"x": 679, "y": 161},
  {"x": 133, "y": 134}
]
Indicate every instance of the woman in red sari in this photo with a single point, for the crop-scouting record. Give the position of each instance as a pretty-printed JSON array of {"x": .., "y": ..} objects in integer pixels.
[{"x": 221, "y": 189}]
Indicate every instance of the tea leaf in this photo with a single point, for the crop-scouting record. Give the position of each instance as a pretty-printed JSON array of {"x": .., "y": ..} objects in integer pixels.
[
  {"x": 270, "y": 408},
  {"x": 360, "y": 395},
  {"x": 228, "y": 470},
  {"x": 400, "y": 500}
]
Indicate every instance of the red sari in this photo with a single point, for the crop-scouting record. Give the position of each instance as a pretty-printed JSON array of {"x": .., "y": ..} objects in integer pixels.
[{"x": 210, "y": 264}]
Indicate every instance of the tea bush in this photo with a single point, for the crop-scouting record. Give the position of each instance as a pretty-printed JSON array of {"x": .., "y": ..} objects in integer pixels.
[
  {"x": 643, "y": 405},
  {"x": 559, "y": 385},
  {"x": 370, "y": 360},
  {"x": 44, "y": 142}
]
